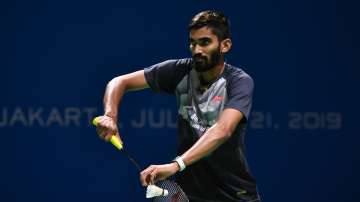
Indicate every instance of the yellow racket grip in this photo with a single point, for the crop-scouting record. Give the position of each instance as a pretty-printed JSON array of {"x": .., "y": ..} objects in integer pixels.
[{"x": 114, "y": 139}]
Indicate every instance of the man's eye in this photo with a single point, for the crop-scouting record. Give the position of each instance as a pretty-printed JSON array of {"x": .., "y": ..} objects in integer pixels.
[
  {"x": 192, "y": 44},
  {"x": 204, "y": 43}
]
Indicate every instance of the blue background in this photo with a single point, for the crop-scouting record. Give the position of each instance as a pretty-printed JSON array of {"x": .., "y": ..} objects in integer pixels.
[{"x": 59, "y": 55}]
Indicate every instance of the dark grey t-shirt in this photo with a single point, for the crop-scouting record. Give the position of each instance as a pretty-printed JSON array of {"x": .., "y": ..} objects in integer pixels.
[{"x": 224, "y": 174}]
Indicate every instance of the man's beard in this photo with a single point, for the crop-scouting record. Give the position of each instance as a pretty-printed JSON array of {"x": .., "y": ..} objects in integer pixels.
[{"x": 202, "y": 63}]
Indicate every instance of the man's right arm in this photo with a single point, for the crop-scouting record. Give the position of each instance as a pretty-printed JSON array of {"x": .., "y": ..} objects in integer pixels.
[
  {"x": 161, "y": 77},
  {"x": 114, "y": 92},
  {"x": 116, "y": 88}
]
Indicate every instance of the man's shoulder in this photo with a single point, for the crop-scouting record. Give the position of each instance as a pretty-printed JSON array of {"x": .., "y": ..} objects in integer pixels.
[
  {"x": 235, "y": 73},
  {"x": 181, "y": 67},
  {"x": 183, "y": 62},
  {"x": 170, "y": 68},
  {"x": 166, "y": 75}
]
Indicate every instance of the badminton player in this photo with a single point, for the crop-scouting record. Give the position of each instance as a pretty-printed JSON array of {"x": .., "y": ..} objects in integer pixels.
[{"x": 214, "y": 99}]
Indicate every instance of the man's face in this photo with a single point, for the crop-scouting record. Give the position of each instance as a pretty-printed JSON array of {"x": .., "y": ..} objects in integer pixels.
[{"x": 205, "y": 49}]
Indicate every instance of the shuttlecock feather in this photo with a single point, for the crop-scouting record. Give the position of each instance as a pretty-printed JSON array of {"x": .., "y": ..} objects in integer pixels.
[{"x": 153, "y": 191}]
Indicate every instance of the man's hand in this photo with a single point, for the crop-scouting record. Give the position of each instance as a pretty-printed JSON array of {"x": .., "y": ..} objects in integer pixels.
[
  {"x": 106, "y": 127},
  {"x": 154, "y": 173}
]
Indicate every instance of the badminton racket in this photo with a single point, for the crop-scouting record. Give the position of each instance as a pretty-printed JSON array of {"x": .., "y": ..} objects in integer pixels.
[{"x": 162, "y": 191}]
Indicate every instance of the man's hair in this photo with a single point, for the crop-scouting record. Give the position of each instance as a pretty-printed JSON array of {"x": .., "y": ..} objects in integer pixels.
[{"x": 215, "y": 20}]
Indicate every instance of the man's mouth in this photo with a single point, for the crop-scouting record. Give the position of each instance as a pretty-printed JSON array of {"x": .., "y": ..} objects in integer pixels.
[{"x": 199, "y": 58}]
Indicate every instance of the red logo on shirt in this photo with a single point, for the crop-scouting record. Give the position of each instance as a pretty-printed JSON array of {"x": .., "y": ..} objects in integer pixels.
[{"x": 218, "y": 98}]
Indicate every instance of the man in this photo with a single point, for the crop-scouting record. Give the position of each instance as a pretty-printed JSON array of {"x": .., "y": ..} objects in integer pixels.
[{"x": 214, "y": 100}]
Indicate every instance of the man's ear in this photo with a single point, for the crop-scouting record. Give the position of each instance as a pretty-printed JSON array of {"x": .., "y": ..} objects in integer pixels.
[{"x": 225, "y": 45}]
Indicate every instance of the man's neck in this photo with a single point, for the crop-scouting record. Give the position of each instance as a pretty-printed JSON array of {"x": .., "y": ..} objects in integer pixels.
[{"x": 211, "y": 75}]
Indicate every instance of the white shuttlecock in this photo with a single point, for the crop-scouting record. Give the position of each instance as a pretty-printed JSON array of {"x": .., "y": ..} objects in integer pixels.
[{"x": 153, "y": 191}]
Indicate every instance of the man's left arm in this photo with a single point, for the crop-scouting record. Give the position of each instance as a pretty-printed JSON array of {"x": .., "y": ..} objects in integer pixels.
[
  {"x": 211, "y": 140},
  {"x": 214, "y": 136}
]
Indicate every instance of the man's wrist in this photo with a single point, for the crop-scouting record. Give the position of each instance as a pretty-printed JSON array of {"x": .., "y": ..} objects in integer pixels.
[
  {"x": 176, "y": 166},
  {"x": 180, "y": 163},
  {"x": 111, "y": 115}
]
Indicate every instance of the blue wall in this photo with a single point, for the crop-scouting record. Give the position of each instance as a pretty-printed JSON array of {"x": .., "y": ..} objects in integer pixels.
[{"x": 57, "y": 56}]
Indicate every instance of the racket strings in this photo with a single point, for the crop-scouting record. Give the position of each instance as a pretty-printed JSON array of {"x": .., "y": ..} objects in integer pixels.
[{"x": 176, "y": 194}]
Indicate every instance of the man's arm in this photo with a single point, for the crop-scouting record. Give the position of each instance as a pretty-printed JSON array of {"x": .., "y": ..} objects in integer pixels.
[
  {"x": 214, "y": 136},
  {"x": 211, "y": 140},
  {"x": 115, "y": 89}
]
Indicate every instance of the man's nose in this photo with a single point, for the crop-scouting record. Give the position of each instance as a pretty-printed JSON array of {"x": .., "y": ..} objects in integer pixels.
[{"x": 197, "y": 50}]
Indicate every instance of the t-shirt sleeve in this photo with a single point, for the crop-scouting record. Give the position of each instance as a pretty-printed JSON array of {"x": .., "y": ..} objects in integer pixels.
[
  {"x": 164, "y": 76},
  {"x": 240, "y": 92}
]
